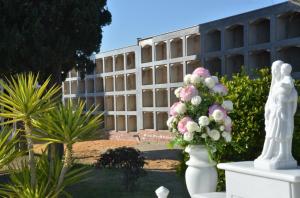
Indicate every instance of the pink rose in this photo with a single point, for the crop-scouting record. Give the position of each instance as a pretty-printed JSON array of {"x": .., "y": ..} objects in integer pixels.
[
  {"x": 173, "y": 111},
  {"x": 228, "y": 124},
  {"x": 228, "y": 128},
  {"x": 182, "y": 124},
  {"x": 220, "y": 89},
  {"x": 200, "y": 71},
  {"x": 214, "y": 107},
  {"x": 188, "y": 92}
]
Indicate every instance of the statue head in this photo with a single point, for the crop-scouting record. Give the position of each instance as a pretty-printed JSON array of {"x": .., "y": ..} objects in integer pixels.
[
  {"x": 285, "y": 69},
  {"x": 276, "y": 69}
]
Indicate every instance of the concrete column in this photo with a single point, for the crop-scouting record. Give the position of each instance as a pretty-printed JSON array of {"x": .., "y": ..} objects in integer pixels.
[
  {"x": 168, "y": 49},
  {"x": 273, "y": 27},
  {"x": 114, "y": 63},
  {"x": 153, "y": 83},
  {"x": 125, "y": 88},
  {"x": 222, "y": 31},
  {"x": 139, "y": 118},
  {"x": 125, "y": 61},
  {"x": 246, "y": 50},
  {"x": 223, "y": 65},
  {"x": 183, "y": 46},
  {"x": 223, "y": 58},
  {"x": 246, "y": 62}
]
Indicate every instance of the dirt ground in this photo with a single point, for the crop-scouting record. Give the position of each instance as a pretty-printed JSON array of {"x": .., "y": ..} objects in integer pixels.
[{"x": 158, "y": 156}]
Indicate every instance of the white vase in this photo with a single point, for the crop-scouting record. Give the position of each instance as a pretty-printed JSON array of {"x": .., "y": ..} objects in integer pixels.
[{"x": 201, "y": 175}]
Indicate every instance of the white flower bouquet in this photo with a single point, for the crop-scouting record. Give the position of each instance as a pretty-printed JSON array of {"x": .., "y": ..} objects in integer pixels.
[{"x": 201, "y": 116}]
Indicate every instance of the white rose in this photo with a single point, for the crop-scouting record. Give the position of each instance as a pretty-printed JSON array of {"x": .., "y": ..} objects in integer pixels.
[
  {"x": 228, "y": 105},
  {"x": 210, "y": 82},
  {"x": 222, "y": 128},
  {"x": 199, "y": 129},
  {"x": 204, "y": 135},
  {"x": 218, "y": 115},
  {"x": 187, "y": 79},
  {"x": 195, "y": 79},
  {"x": 203, "y": 121},
  {"x": 180, "y": 108},
  {"x": 192, "y": 126},
  {"x": 170, "y": 121},
  {"x": 196, "y": 100},
  {"x": 227, "y": 136},
  {"x": 214, "y": 134},
  {"x": 215, "y": 79},
  {"x": 188, "y": 136},
  {"x": 227, "y": 121},
  {"x": 177, "y": 92}
]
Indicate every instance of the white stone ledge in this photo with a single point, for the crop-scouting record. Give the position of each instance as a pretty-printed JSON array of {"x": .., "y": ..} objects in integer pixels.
[{"x": 247, "y": 167}]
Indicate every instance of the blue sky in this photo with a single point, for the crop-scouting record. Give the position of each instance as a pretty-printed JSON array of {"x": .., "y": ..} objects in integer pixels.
[{"x": 133, "y": 19}]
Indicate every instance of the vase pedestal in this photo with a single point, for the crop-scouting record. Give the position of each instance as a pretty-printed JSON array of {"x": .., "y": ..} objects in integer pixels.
[
  {"x": 201, "y": 174},
  {"x": 211, "y": 195},
  {"x": 245, "y": 181}
]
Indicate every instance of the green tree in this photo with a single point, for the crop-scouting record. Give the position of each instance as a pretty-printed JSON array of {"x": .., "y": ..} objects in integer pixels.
[{"x": 50, "y": 37}]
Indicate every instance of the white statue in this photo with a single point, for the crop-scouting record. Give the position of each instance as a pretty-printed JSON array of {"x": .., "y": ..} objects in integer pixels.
[{"x": 279, "y": 120}]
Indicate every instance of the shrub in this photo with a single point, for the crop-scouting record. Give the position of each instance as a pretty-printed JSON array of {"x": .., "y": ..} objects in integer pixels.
[
  {"x": 18, "y": 183},
  {"x": 248, "y": 131},
  {"x": 128, "y": 159}
]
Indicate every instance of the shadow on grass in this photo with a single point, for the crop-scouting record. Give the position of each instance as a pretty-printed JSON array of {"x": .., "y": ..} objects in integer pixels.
[
  {"x": 108, "y": 184},
  {"x": 171, "y": 154}
]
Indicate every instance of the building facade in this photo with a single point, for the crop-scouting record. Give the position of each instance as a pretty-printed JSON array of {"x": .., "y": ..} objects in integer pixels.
[{"x": 134, "y": 86}]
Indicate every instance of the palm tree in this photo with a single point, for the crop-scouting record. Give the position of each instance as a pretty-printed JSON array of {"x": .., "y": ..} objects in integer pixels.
[
  {"x": 24, "y": 100},
  {"x": 67, "y": 124}
]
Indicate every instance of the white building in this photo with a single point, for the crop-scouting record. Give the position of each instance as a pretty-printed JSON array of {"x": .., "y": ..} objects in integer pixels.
[{"x": 134, "y": 85}]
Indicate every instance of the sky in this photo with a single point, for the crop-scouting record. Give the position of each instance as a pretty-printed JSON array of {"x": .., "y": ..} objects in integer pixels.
[{"x": 132, "y": 19}]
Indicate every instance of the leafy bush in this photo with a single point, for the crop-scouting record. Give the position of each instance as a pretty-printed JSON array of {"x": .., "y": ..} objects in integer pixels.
[
  {"x": 19, "y": 182},
  {"x": 248, "y": 131},
  {"x": 128, "y": 159}
]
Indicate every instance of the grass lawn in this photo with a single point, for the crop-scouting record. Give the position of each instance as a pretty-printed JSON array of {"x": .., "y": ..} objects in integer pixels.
[{"x": 108, "y": 184}]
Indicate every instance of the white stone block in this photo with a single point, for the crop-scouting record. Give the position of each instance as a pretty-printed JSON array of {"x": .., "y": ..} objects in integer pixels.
[{"x": 245, "y": 181}]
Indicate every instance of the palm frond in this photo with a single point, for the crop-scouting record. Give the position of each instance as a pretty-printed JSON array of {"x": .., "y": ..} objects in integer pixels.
[
  {"x": 20, "y": 185},
  {"x": 22, "y": 97},
  {"x": 8, "y": 142},
  {"x": 67, "y": 124}
]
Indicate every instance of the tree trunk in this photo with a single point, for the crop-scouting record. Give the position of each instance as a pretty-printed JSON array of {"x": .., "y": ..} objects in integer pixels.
[
  {"x": 66, "y": 166},
  {"x": 28, "y": 131},
  {"x": 55, "y": 149}
]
